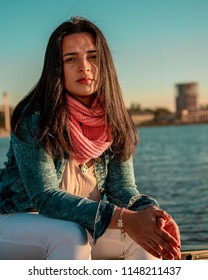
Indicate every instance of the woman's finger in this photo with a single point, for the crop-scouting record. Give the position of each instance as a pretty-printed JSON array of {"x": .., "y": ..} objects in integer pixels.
[
  {"x": 165, "y": 241},
  {"x": 147, "y": 248},
  {"x": 154, "y": 246},
  {"x": 162, "y": 214},
  {"x": 164, "y": 234},
  {"x": 160, "y": 222}
]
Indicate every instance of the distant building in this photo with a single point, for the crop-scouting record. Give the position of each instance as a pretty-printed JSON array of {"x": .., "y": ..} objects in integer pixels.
[
  {"x": 186, "y": 99},
  {"x": 187, "y": 109},
  {"x": 194, "y": 116},
  {"x": 6, "y": 112}
]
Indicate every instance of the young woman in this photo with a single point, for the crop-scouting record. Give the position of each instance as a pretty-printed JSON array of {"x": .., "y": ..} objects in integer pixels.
[{"x": 68, "y": 190}]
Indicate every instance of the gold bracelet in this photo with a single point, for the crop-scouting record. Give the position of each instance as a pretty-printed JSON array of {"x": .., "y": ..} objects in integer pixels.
[{"x": 120, "y": 225}]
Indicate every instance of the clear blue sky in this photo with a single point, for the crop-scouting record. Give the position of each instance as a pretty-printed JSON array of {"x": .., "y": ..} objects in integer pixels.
[{"x": 155, "y": 44}]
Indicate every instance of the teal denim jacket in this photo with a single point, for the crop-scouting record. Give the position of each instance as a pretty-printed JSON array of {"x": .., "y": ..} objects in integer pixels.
[{"x": 31, "y": 178}]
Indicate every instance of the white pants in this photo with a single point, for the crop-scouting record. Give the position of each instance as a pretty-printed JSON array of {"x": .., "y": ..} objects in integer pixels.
[{"x": 30, "y": 236}]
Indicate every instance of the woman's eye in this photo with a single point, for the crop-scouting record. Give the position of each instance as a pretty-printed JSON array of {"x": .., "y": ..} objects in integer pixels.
[
  {"x": 93, "y": 57},
  {"x": 70, "y": 59}
]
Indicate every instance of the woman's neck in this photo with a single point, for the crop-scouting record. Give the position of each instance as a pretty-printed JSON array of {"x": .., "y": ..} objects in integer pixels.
[{"x": 85, "y": 100}]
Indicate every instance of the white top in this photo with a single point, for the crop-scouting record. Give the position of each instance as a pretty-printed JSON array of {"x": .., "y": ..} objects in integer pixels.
[{"x": 75, "y": 182}]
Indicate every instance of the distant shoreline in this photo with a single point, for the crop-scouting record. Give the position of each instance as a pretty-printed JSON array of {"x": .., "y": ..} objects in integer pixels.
[
  {"x": 4, "y": 134},
  {"x": 155, "y": 124}
]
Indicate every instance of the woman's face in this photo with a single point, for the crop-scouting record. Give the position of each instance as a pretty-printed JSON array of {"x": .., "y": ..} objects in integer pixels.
[{"x": 80, "y": 66}]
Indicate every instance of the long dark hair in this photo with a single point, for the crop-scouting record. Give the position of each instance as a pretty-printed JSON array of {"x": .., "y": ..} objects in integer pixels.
[{"x": 48, "y": 96}]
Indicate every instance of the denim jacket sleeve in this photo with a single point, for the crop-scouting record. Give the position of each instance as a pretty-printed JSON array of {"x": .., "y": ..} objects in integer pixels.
[
  {"x": 39, "y": 176},
  {"x": 121, "y": 188}
]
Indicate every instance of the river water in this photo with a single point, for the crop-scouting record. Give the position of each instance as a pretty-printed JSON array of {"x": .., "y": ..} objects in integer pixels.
[{"x": 171, "y": 164}]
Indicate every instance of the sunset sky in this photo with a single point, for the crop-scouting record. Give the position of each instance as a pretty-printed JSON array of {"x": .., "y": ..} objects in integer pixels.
[{"x": 155, "y": 44}]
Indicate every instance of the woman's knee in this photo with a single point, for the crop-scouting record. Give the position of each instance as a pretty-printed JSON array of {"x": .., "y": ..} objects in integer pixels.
[
  {"x": 68, "y": 241},
  {"x": 69, "y": 232},
  {"x": 59, "y": 239}
]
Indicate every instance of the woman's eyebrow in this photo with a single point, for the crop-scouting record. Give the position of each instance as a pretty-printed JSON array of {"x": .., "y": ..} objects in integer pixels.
[
  {"x": 75, "y": 53},
  {"x": 70, "y": 53}
]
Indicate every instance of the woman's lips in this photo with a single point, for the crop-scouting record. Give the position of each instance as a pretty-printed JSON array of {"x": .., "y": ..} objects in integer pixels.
[{"x": 84, "y": 81}]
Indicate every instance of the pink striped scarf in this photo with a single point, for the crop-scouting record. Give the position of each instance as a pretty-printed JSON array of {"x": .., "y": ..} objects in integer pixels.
[{"x": 89, "y": 132}]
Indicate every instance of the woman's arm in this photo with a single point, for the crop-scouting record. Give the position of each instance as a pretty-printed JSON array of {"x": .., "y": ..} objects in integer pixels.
[
  {"x": 149, "y": 226},
  {"x": 39, "y": 176},
  {"x": 121, "y": 188}
]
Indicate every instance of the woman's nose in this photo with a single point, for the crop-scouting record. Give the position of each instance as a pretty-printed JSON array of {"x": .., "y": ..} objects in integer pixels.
[{"x": 84, "y": 66}]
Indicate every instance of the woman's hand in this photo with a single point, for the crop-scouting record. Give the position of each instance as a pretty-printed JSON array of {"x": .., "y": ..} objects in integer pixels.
[
  {"x": 155, "y": 231},
  {"x": 170, "y": 226}
]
